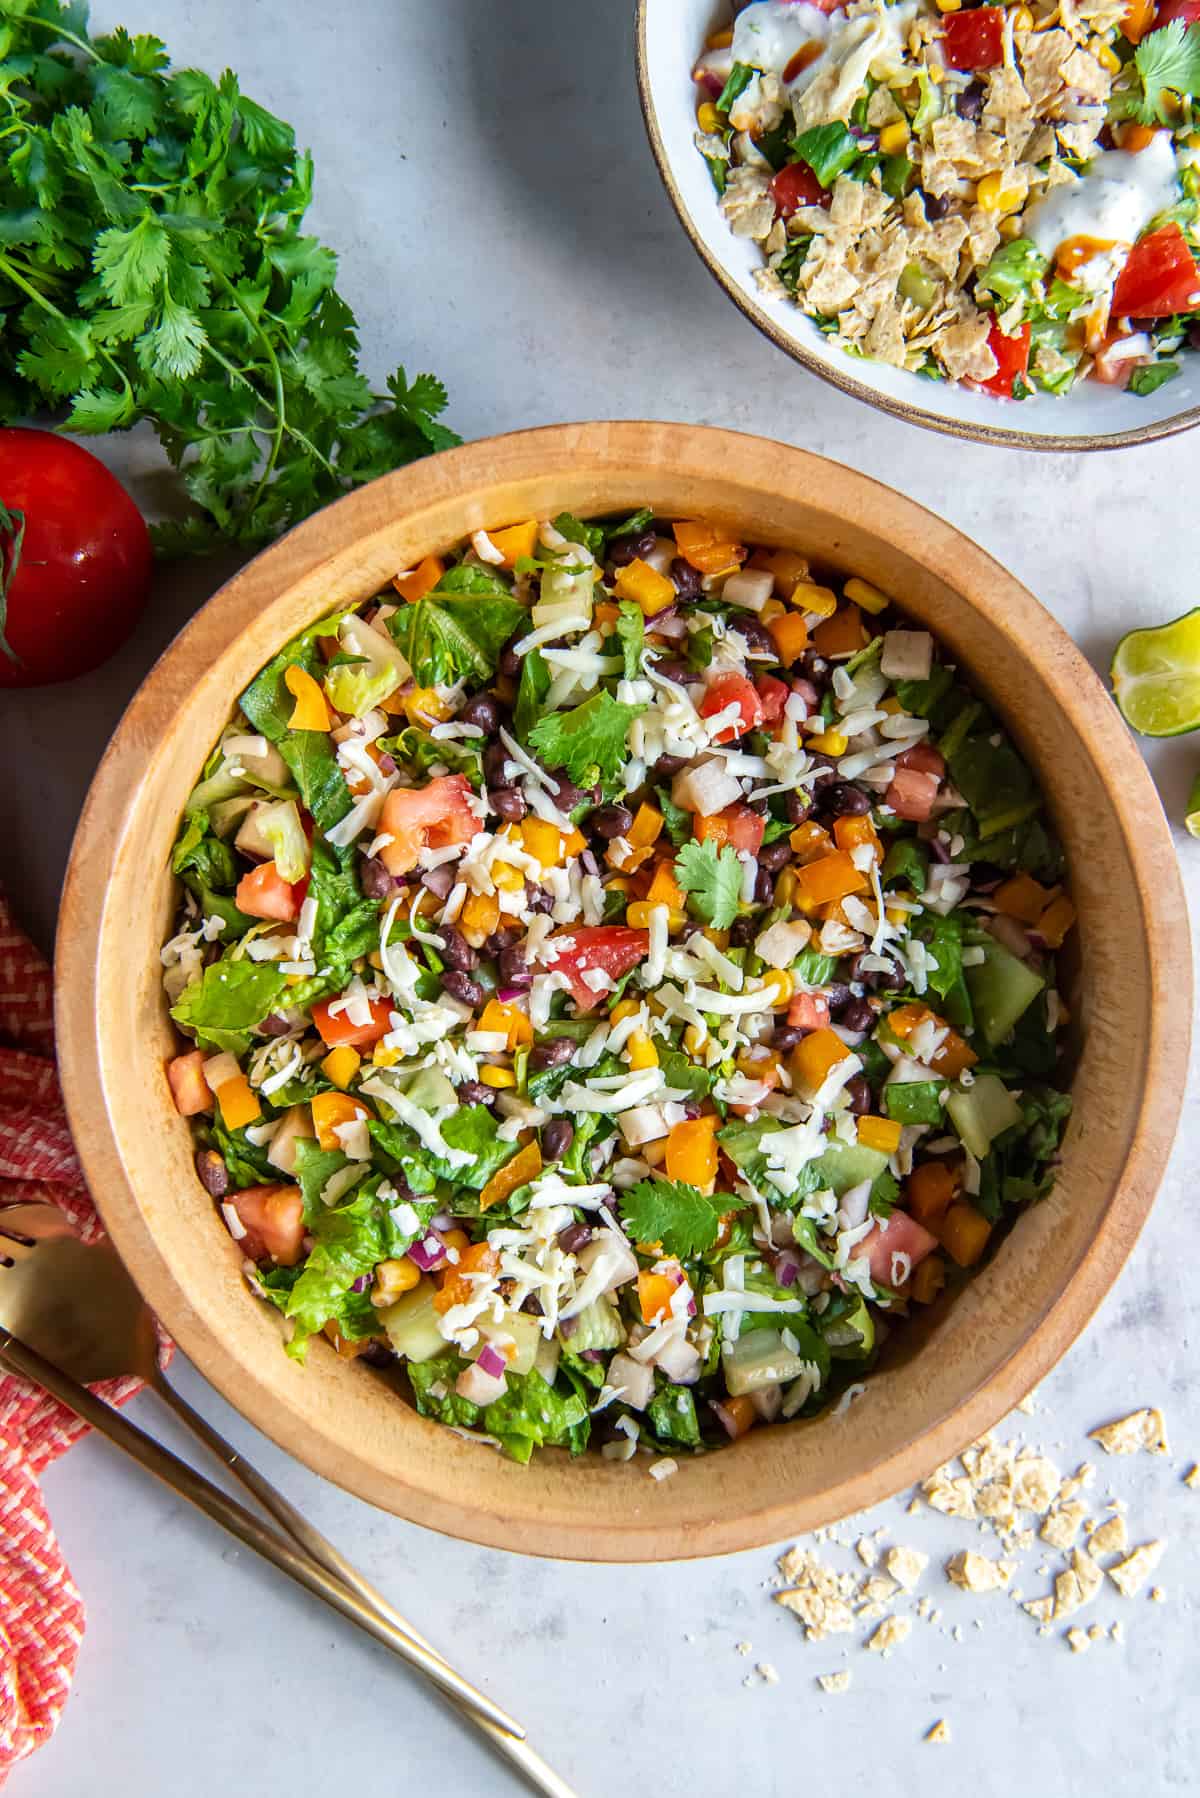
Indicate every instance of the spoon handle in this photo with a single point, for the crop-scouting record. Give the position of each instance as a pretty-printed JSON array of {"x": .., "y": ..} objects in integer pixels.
[
  {"x": 525, "y": 1758},
  {"x": 19, "y": 1358}
]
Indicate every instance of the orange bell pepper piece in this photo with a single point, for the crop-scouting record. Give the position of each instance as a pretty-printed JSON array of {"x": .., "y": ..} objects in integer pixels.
[
  {"x": 826, "y": 881},
  {"x": 841, "y": 635},
  {"x": 1022, "y": 898},
  {"x": 239, "y": 1102},
  {"x": 787, "y": 565},
  {"x": 516, "y": 540},
  {"x": 655, "y": 1292},
  {"x": 852, "y": 833},
  {"x": 707, "y": 549},
  {"x": 815, "y": 1055},
  {"x": 331, "y": 1109},
  {"x": 928, "y": 1280},
  {"x": 1055, "y": 922},
  {"x": 809, "y": 842},
  {"x": 930, "y": 1191},
  {"x": 664, "y": 889},
  {"x": 310, "y": 711},
  {"x": 954, "y": 1054},
  {"x": 525, "y": 1165},
  {"x": 789, "y": 633},
  {"x": 456, "y": 1287},
  {"x": 510, "y": 1019},
  {"x": 964, "y": 1234},
  {"x": 421, "y": 580},
  {"x": 879, "y": 1133}
]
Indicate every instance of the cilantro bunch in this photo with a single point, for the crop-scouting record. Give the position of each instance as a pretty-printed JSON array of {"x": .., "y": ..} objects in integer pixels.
[
  {"x": 1163, "y": 77},
  {"x": 153, "y": 266}
]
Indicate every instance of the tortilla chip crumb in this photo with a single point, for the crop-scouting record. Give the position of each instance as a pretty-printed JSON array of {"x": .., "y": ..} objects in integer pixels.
[
  {"x": 1158, "y": 1595},
  {"x": 940, "y": 1731},
  {"x": 834, "y": 1682},
  {"x": 891, "y": 1632},
  {"x": 978, "y": 1573},
  {"x": 906, "y": 1565},
  {"x": 767, "y": 1673},
  {"x": 1192, "y": 1477},
  {"x": 1079, "y": 1641},
  {"x": 1129, "y": 1575},
  {"x": 1108, "y": 1538},
  {"x": 864, "y": 1548},
  {"x": 1143, "y": 1429}
]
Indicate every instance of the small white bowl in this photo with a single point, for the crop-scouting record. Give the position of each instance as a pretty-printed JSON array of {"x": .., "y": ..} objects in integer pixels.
[{"x": 670, "y": 36}]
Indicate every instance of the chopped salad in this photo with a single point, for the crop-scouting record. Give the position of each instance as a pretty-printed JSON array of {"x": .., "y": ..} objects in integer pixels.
[
  {"x": 618, "y": 975},
  {"x": 1004, "y": 196}
]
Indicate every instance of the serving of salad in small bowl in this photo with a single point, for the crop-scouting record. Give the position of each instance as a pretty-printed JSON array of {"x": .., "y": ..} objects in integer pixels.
[
  {"x": 980, "y": 217},
  {"x": 622, "y": 1022}
]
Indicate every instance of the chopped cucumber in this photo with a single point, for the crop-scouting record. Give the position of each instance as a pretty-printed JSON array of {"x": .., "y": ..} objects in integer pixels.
[
  {"x": 227, "y": 814},
  {"x": 848, "y": 1328},
  {"x": 412, "y": 1324},
  {"x": 759, "y": 1359},
  {"x": 599, "y": 1326},
  {"x": 526, "y": 1333},
  {"x": 980, "y": 1112},
  {"x": 431, "y": 1090},
  {"x": 280, "y": 825},
  {"x": 1002, "y": 988},
  {"x": 847, "y": 1164}
]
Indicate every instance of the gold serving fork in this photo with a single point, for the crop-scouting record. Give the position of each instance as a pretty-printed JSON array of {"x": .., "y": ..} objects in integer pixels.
[{"x": 70, "y": 1314}]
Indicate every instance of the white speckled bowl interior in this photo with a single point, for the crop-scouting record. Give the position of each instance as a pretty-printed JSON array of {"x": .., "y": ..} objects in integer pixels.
[{"x": 670, "y": 36}]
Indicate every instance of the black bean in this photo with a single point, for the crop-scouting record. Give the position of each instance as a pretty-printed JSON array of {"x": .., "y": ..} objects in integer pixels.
[
  {"x": 494, "y": 758},
  {"x": 501, "y": 939},
  {"x": 858, "y": 1091},
  {"x": 568, "y": 795},
  {"x": 764, "y": 887},
  {"x": 742, "y": 932},
  {"x": 757, "y": 636},
  {"x": 508, "y": 803},
  {"x": 683, "y": 676},
  {"x": 784, "y": 1037},
  {"x": 837, "y": 996},
  {"x": 376, "y": 881},
  {"x": 623, "y": 550},
  {"x": 214, "y": 1175},
  {"x": 969, "y": 104},
  {"x": 537, "y": 898},
  {"x": 856, "y": 1014},
  {"x": 456, "y": 951},
  {"x": 510, "y": 661},
  {"x": 879, "y": 980},
  {"x": 799, "y": 805},
  {"x": 557, "y": 1137},
  {"x": 461, "y": 986},
  {"x": 686, "y": 578},
  {"x": 936, "y": 206},
  {"x": 774, "y": 856},
  {"x": 483, "y": 711},
  {"x": 514, "y": 969},
  {"x": 275, "y": 1025},
  {"x": 668, "y": 765},
  {"x": 378, "y": 1354},
  {"x": 842, "y": 799},
  {"x": 611, "y": 821},
  {"x": 985, "y": 875},
  {"x": 572, "y": 1239},
  {"x": 815, "y": 668},
  {"x": 552, "y": 1052},
  {"x": 474, "y": 1092}
]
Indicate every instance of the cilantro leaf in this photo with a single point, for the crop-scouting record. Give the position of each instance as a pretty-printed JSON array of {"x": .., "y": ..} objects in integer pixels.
[
  {"x": 1166, "y": 61},
  {"x": 682, "y": 1218},
  {"x": 712, "y": 878},
  {"x": 457, "y": 631},
  {"x": 631, "y": 633},
  {"x": 590, "y": 742}
]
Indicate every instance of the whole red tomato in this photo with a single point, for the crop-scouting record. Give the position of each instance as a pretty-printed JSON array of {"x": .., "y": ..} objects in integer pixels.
[{"x": 75, "y": 560}]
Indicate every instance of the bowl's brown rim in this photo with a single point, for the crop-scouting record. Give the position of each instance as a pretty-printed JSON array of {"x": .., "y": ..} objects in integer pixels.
[
  {"x": 842, "y": 379},
  {"x": 951, "y": 557}
]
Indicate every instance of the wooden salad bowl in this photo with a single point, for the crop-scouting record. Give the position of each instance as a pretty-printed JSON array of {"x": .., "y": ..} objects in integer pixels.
[{"x": 954, "y": 1374}]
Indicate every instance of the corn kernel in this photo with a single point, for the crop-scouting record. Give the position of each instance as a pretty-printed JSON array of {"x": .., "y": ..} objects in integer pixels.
[
  {"x": 778, "y": 987},
  {"x": 947, "y": 6},
  {"x": 1106, "y": 56},
  {"x": 774, "y": 608},
  {"x": 707, "y": 117},
  {"x": 862, "y": 592},
  {"x": 393, "y": 1278},
  {"x": 628, "y": 1008},
  {"x": 641, "y": 1052},
  {"x": 1022, "y": 19},
  {"x": 507, "y": 878},
  {"x": 879, "y": 1133},
  {"x": 936, "y": 75},
  {"x": 785, "y": 887},
  {"x": 829, "y": 742},
  {"x": 993, "y": 196},
  {"x": 1010, "y": 228},
  {"x": 896, "y": 914},
  {"x": 385, "y": 1058},
  {"x": 497, "y": 1077},
  {"x": 719, "y": 40},
  {"x": 808, "y": 596},
  {"x": 694, "y": 1039},
  {"x": 891, "y": 705},
  {"x": 893, "y": 137},
  {"x": 341, "y": 1065}
]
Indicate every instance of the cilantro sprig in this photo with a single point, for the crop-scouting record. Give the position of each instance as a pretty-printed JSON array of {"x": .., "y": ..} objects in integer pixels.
[
  {"x": 153, "y": 266},
  {"x": 1166, "y": 62},
  {"x": 590, "y": 741},
  {"x": 712, "y": 879},
  {"x": 683, "y": 1219}
]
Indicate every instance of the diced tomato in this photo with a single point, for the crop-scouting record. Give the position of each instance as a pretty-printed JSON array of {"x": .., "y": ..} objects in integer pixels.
[
  {"x": 340, "y": 1033},
  {"x": 774, "y": 695},
  {"x": 438, "y": 816},
  {"x": 796, "y": 186},
  {"x": 911, "y": 794},
  {"x": 273, "y": 1217},
  {"x": 1159, "y": 278},
  {"x": 975, "y": 39},
  {"x": 1187, "y": 11},
  {"x": 808, "y": 1011},
  {"x": 613, "y": 948},
  {"x": 903, "y": 1236},
  {"x": 924, "y": 757},
  {"x": 264, "y": 893},
  {"x": 1011, "y": 353},
  {"x": 727, "y": 690},
  {"x": 738, "y": 825},
  {"x": 1111, "y": 370},
  {"x": 189, "y": 1089}
]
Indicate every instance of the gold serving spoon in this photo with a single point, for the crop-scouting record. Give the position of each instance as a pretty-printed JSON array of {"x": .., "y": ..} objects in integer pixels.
[{"x": 70, "y": 1314}]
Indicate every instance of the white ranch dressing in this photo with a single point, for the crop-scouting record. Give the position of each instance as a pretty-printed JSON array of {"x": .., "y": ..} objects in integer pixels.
[
  {"x": 1113, "y": 201},
  {"x": 768, "y": 34}
]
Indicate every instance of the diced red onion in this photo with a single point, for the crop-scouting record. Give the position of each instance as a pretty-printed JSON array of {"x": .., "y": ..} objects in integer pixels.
[
  {"x": 590, "y": 1354},
  {"x": 428, "y": 1254},
  {"x": 506, "y": 994},
  {"x": 387, "y": 764},
  {"x": 938, "y": 850},
  {"x": 490, "y": 1360},
  {"x": 787, "y": 1267},
  {"x": 671, "y": 625},
  {"x": 1008, "y": 932},
  {"x": 275, "y": 1025},
  {"x": 590, "y": 864},
  {"x": 438, "y": 880},
  {"x": 361, "y": 1284}
]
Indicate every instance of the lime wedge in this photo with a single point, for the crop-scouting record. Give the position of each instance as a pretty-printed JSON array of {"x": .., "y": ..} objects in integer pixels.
[
  {"x": 1192, "y": 815},
  {"x": 1156, "y": 677}
]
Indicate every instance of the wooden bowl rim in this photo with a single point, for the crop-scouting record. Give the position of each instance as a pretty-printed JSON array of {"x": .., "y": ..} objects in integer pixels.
[{"x": 984, "y": 585}]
